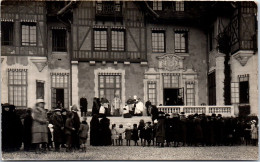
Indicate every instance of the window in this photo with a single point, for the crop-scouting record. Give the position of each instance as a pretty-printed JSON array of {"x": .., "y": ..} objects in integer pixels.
[
  {"x": 181, "y": 42},
  {"x": 59, "y": 40},
  {"x": 60, "y": 89},
  {"x": 179, "y": 6},
  {"x": 190, "y": 94},
  {"x": 211, "y": 37},
  {"x": 212, "y": 88},
  {"x": 234, "y": 92},
  {"x": 152, "y": 92},
  {"x": 171, "y": 81},
  {"x": 157, "y": 5},
  {"x": 28, "y": 34},
  {"x": 109, "y": 85},
  {"x": 7, "y": 33},
  {"x": 244, "y": 89},
  {"x": 100, "y": 39},
  {"x": 17, "y": 87},
  {"x": 39, "y": 89},
  {"x": 158, "y": 39},
  {"x": 118, "y": 40}
]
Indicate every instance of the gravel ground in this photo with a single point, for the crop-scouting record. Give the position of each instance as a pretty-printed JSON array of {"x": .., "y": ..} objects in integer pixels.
[{"x": 144, "y": 153}]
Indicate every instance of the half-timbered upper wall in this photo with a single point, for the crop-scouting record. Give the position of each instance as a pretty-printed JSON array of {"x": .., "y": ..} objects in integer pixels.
[
  {"x": 85, "y": 21},
  {"x": 243, "y": 27},
  {"x": 25, "y": 12}
]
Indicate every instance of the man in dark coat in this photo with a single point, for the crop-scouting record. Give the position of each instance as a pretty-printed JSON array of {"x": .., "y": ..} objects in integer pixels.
[
  {"x": 12, "y": 129},
  {"x": 154, "y": 112},
  {"x": 94, "y": 131},
  {"x": 76, "y": 125},
  {"x": 176, "y": 129},
  {"x": 83, "y": 106},
  {"x": 64, "y": 118},
  {"x": 96, "y": 106},
  {"x": 148, "y": 107},
  {"x": 105, "y": 132},
  {"x": 58, "y": 128},
  {"x": 28, "y": 130},
  {"x": 168, "y": 130},
  {"x": 183, "y": 131}
]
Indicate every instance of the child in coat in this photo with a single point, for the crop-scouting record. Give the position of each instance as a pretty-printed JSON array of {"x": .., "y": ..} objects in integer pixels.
[
  {"x": 114, "y": 136},
  {"x": 147, "y": 134},
  {"x": 69, "y": 129},
  {"x": 120, "y": 132},
  {"x": 128, "y": 134},
  {"x": 135, "y": 136},
  {"x": 83, "y": 133}
]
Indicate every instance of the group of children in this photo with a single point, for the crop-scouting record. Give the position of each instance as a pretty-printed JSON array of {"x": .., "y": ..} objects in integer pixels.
[{"x": 144, "y": 131}]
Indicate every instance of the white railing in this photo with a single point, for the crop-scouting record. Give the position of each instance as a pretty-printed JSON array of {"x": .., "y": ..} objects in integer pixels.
[{"x": 208, "y": 110}]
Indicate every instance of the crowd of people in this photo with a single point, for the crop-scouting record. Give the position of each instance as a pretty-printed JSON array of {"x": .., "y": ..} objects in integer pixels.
[{"x": 42, "y": 130}]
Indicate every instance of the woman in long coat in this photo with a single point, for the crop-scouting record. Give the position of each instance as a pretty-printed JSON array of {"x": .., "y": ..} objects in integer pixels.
[
  {"x": 160, "y": 129},
  {"x": 28, "y": 130},
  {"x": 94, "y": 131},
  {"x": 58, "y": 126},
  {"x": 39, "y": 126},
  {"x": 12, "y": 129},
  {"x": 105, "y": 132}
]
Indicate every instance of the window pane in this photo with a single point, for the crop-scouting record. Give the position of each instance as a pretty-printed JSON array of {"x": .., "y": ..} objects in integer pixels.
[
  {"x": 29, "y": 34},
  {"x": 100, "y": 37},
  {"x": 158, "y": 41}
]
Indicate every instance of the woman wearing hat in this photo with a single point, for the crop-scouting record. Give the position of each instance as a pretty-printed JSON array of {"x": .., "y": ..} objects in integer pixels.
[
  {"x": 39, "y": 126},
  {"x": 254, "y": 132}
]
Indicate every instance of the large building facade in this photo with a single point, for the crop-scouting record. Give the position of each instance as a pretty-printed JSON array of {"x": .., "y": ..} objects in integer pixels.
[{"x": 62, "y": 51}]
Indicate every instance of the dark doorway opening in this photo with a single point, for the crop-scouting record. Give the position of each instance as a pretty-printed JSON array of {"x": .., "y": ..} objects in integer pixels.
[
  {"x": 60, "y": 98},
  {"x": 170, "y": 96}
]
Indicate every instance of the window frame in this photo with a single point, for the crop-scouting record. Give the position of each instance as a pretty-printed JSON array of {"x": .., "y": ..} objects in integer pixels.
[
  {"x": 37, "y": 89},
  {"x": 235, "y": 93},
  {"x": 186, "y": 42},
  {"x": 180, "y": 7},
  {"x": 59, "y": 49},
  {"x": 94, "y": 40},
  {"x": 60, "y": 81},
  {"x": 155, "y": 92},
  {"x": 187, "y": 94},
  {"x": 158, "y": 50},
  {"x": 23, "y": 102},
  {"x": 171, "y": 81},
  {"x": 124, "y": 39},
  {"x": 156, "y": 6},
  {"x": 30, "y": 24},
  {"x": 104, "y": 88},
  {"x": 7, "y": 27},
  {"x": 244, "y": 79}
]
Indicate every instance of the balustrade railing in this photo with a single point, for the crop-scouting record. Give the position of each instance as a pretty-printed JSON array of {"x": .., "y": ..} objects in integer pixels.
[{"x": 208, "y": 110}]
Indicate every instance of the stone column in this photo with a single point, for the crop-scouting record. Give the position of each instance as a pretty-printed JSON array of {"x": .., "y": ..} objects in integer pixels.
[
  {"x": 74, "y": 84},
  {"x": 220, "y": 58}
]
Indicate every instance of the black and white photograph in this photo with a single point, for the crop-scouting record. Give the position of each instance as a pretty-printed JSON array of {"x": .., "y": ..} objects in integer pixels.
[{"x": 129, "y": 80}]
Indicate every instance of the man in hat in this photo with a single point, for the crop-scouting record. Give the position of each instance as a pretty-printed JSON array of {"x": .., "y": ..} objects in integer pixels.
[
  {"x": 39, "y": 126},
  {"x": 58, "y": 126},
  {"x": 76, "y": 125}
]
